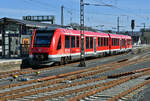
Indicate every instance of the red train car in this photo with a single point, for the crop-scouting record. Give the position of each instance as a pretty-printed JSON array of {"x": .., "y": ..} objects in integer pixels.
[{"x": 63, "y": 45}]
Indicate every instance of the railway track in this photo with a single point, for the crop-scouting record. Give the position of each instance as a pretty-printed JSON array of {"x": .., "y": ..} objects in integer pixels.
[
  {"x": 113, "y": 65},
  {"x": 4, "y": 75},
  {"x": 109, "y": 85},
  {"x": 52, "y": 87},
  {"x": 79, "y": 79}
]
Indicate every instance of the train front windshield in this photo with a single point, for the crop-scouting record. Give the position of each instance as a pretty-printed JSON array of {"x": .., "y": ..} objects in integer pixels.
[{"x": 43, "y": 38}]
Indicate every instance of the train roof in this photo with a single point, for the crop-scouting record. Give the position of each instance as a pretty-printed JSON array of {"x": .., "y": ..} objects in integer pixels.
[{"x": 87, "y": 33}]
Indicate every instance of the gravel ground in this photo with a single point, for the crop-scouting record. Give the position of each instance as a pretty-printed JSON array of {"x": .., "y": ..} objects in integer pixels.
[{"x": 98, "y": 62}]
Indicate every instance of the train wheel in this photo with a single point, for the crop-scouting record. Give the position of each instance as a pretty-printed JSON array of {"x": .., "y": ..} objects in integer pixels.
[
  {"x": 62, "y": 62},
  {"x": 25, "y": 63},
  {"x": 66, "y": 60}
]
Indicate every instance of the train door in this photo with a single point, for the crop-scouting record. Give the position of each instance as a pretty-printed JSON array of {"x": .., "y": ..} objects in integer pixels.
[
  {"x": 25, "y": 46},
  {"x": 95, "y": 45},
  {"x": 120, "y": 44},
  {"x": 125, "y": 43},
  {"x": 67, "y": 47}
]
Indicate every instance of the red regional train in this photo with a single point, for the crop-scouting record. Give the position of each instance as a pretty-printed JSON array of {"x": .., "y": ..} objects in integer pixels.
[{"x": 62, "y": 45}]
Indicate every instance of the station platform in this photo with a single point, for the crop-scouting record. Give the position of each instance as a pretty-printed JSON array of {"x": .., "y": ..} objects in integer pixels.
[{"x": 10, "y": 64}]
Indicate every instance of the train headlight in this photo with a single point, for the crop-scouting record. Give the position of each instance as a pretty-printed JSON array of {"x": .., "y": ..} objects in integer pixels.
[
  {"x": 34, "y": 50},
  {"x": 31, "y": 56}
]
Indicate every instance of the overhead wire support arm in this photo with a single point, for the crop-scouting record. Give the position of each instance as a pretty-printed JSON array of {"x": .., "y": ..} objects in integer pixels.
[{"x": 98, "y": 4}]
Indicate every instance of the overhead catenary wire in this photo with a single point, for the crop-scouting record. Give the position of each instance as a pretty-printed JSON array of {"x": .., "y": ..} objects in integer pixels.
[{"x": 75, "y": 12}]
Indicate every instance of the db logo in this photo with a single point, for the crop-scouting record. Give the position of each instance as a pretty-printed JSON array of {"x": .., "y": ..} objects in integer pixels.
[{"x": 40, "y": 50}]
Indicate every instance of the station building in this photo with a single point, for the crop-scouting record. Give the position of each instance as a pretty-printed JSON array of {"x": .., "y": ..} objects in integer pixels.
[{"x": 15, "y": 36}]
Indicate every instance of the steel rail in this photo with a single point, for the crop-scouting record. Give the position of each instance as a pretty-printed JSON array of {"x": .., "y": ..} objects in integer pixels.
[
  {"x": 92, "y": 92},
  {"x": 81, "y": 75},
  {"x": 129, "y": 90},
  {"x": 54, "y": 77}
]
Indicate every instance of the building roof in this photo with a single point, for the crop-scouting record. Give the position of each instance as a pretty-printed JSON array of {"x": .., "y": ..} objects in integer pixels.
[{"x": 28, "y": 23}]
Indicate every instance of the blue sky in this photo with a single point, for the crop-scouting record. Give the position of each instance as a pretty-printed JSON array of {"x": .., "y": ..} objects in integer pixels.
[{"x": 94, "y": 16}]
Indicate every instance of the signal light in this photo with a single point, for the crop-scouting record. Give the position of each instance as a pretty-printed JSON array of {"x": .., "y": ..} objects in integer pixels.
[{"x": 132, "y": 24}]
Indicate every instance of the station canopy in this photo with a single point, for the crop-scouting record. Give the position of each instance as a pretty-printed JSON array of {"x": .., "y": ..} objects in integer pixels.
[{"x": 28, "y": 23}]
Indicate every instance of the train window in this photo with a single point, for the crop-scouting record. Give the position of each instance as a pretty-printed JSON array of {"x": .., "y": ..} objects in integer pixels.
[
  {"x": 43, "y": 38},
  {"x": 123, "y": 42},
  {"x": 101, "y": 41},
  {"x": 112, "y": 41},
  {"x": 87, "y": 43},
  {"x": 98, "y": 41},
  {"x": 0, "y": 42},
  {"x": 107, "y": 41},
  {"x": 91, "y": 42},
  {"x": 59, "y": 44},
  {"x": 72, "y": 41},
  {"x": 104, "y": 41},
  {"x": 129, "y": 42},
  {"x": 67, "y": 41},
  {"x": 77, "y": 42},
  {"x": 117, "y": 42}
]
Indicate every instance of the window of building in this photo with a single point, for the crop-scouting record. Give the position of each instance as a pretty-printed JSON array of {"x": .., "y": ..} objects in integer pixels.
[
  {"x": 72, "y": 41},
  {"x": 59, "y": 44},
  {"x": 67, "y": 41},
  {"x": 91, "y": 42}
]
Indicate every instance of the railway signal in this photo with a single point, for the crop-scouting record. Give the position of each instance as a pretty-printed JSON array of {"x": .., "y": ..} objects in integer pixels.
[{"x": 132, "y": 25}]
